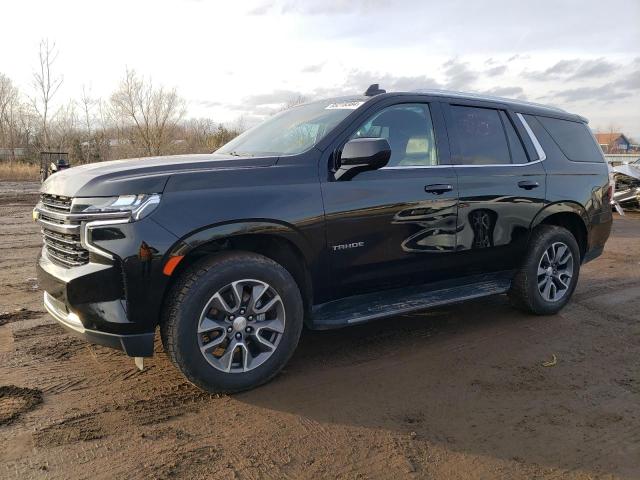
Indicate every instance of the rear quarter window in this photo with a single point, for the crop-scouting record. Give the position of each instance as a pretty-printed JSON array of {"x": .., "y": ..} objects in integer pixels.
[{"x": 574, "y": 139}]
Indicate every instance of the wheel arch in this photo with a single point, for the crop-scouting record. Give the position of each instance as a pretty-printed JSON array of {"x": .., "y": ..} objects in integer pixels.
[
  {"x": 279, "y": 241},
  {"x": 569, "y": 215}
]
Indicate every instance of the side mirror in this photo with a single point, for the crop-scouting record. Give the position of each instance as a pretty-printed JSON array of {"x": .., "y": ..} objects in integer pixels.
[{"x": 362, "y": 154}]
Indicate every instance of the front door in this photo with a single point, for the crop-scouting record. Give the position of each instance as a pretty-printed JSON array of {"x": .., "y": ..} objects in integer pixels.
[
  {"x": 396, "y": 225},
  {"x": 501, "y": 186}
]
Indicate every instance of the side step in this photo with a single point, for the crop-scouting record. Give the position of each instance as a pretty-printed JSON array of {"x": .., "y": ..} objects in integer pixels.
[{"x": 362, "y": 308}]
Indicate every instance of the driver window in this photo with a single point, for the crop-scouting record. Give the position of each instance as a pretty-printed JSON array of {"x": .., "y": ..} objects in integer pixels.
[{"x": 409, "y": 131}]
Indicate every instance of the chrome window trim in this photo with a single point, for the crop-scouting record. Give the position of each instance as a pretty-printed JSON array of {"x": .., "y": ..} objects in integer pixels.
[
  {"x": 406, "y": 167},
  {"x": 497, "y": 164},
  {"x": 536, "y": 144},
  {"x": 542, "y": 156}
]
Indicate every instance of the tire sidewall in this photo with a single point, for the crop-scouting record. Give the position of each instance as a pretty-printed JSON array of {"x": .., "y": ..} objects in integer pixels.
[
  {"x": 542, "y": 243},
  {"x": 189, "y": 358}
]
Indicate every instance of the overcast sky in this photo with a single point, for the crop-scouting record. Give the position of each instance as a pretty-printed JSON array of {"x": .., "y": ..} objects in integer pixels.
[{"x": 243, "y": 59}]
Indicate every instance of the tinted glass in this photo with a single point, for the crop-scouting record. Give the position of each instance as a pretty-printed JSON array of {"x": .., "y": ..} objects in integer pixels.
[
  {"x": 574, "y": 139},
  {"x": 518, "y": 154},
  {"x": 293, "y": 131},
  {"x": 409, "y": 130},
  {"x": 480, "y": 136}
]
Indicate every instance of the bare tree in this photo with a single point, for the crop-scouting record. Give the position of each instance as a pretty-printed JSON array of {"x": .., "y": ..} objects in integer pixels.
[
  {"x": 65, "y": 129},
  {"x": 151, "y": 114},
  {"x": 293, "y": 101},
  {"x": 10, "y": 113},
  {"x": 87, "y": 107},
  {"x": 203, "y": 135},
  {"x": 46, "y": 86}
]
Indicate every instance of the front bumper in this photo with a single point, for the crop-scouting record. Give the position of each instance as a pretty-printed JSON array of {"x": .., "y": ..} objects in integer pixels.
[
  {"x": 134, "y": 345},
  {"x": 115, "y": 297}
]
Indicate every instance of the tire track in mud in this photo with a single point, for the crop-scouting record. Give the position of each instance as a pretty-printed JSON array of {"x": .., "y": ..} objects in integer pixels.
[
  {"x": 158, "y": 408},
  {"x": 185, "y": 461},
  {"x": 79, "y": 428}
]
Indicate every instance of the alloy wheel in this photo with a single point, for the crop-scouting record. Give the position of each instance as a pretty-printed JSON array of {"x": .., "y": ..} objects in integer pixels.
[
  {"x": 241, "y": 326},
  {"x": 555, "y": 272}
]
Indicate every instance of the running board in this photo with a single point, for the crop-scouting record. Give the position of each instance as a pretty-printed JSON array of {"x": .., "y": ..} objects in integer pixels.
[{"x": 362, "y": 308}]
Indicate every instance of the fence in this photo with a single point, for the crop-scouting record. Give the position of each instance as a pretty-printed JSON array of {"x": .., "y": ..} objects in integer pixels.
[{"x": 18, "y": 153}]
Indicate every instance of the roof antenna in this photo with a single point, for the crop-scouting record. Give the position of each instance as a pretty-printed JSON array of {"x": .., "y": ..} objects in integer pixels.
[{"x": 373, "y": 90}]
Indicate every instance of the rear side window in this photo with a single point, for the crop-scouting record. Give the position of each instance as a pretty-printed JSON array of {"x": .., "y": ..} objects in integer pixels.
[
  {"x": 574, "y": 139},
  {"x": 481, "y": 138}
]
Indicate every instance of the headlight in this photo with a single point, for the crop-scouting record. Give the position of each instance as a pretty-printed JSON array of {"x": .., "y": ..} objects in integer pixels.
[{"x": 134, "y": 206}]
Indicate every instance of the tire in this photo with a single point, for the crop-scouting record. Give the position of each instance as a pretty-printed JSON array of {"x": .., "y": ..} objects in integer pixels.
[
  {"x": 204, "y": 296},
  {"x": 533, "y": 286}
]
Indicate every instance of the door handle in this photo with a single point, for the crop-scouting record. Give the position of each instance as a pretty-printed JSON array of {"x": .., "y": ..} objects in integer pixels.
[
  {"x": 528, "y": 184},
  {"x": 438, "y": 188}
]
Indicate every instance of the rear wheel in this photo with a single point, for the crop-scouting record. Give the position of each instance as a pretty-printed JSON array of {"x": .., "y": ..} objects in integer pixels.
[
  {"x": 548, "y": 277},
  {"x": 232, "y": 321}
]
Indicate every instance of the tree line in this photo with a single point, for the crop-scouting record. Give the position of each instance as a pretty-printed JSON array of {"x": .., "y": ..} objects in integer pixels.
[{"x": 138, "y": 119}]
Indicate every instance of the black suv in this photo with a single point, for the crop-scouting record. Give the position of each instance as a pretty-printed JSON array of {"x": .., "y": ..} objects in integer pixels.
[{"x": 328, "y": 214}]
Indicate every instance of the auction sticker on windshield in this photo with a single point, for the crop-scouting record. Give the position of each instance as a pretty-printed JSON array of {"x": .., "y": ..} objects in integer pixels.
[{"x": 343, "y": 106}]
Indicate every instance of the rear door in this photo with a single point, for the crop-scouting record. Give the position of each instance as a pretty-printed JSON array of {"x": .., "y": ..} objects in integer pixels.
[
  {"x": 501, "y": 183},
  {"x": 396, "y": 225}
]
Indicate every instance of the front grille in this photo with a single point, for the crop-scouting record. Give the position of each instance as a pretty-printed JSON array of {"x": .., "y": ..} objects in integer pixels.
[
  {"x": 60, "y": 232},
  {"x": 64, "y": 248},
  {"x": 56, "y": 203}
]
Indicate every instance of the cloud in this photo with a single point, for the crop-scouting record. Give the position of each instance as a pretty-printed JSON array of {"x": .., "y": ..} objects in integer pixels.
[
  {"x": 262, "y": 9},
  {"x": 603, "y": 93},
  {"x": 593, "y": 68},
  {"x": 517, "y": 56},
  {"x": 495, "y": 71},
  {"x": 630, "y": 81},
  {"x": 207, "y": 103},
  {"x": 358, "y": 81},
  {"x": 459, "y": 75},
  {"x": 313, "y": 68},
  {"x": 505, "y": 92},
  {"x": 574, "y": 69},
  {"x": 327, "y": 7},
  {"x": 273, "y": 98}
]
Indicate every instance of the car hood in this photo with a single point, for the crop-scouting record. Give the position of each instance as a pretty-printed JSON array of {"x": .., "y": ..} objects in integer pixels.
[
  {"x": 630, "y": 170},
  {"x": 140, "y": 175}
]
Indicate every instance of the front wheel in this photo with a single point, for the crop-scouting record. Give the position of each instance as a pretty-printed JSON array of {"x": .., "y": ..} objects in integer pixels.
[
  {"x": 546, "y": 280},
  {"x": 232, "y": 321}
]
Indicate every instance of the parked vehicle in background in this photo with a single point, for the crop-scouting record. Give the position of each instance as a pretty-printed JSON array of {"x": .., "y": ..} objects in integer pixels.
[
  {"x": 329, "y": 214},
  {"x": 626, "y": 181},
  {"x": 52, "y": 162}
]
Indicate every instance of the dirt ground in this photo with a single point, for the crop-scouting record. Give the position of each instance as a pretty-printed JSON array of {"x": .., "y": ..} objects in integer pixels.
[{"x": 458, "y": 392}]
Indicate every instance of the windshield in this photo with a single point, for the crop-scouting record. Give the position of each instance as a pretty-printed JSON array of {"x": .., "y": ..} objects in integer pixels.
[{"x": 292, "y": 131}]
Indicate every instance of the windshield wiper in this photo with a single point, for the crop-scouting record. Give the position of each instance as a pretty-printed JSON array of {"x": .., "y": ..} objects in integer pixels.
[{"x": 238, "y": 154}]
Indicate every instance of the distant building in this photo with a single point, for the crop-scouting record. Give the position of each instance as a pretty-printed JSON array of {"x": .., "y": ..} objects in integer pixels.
[{"x": 613, "y": 142}]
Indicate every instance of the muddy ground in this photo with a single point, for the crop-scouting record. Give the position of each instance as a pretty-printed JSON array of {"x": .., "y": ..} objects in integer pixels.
[{"x": 458, "y": 392}]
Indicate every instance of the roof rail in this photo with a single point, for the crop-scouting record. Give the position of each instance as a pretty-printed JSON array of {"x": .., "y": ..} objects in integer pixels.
[{"x": 481, "y": 96}]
